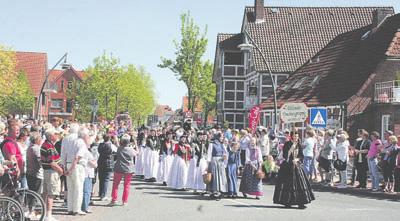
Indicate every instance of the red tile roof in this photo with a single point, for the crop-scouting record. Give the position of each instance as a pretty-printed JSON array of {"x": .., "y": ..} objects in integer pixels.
[
  {"x": 344, "y": 67},
  {"x": 34, "y": 64},
  {"x": 394, "y": 49},
  {"x": 292, "y": 35}
]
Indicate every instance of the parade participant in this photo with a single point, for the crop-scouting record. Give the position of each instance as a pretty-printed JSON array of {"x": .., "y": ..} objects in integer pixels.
[
  {"x": 152, "y": 157},
  {"x": 198, "y": 164},
  {"x": 178, "y": 175},
  {"x": 361, "y": 150},
  {"x": 250, "y": 183},
  {"x": 233, "y": 167},
  {"x": 342, "y": 150},
  {"x": 292, "y": 186},
  {"x": 124, "y": 168},
  {"x": 140, "y": 158},
  {"x": 166, "y": 151},
  {"x": 105, "y": 165},
  {"x": 217, "y": 154},
  {"x": 389, "y": 163},
  {"x": 376, "y": 146},
  {"x": 51, "y": 171}
]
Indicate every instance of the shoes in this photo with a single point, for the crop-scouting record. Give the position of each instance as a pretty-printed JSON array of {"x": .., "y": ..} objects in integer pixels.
[
  {"x": 244, "y": 195},
  {"x": 79, "y": 213},
  {"x": 112, "y": 203},
  {"x": 302, "y": 207},
  {"x": 257, "y": 198},
  {"x": 288, "y": 206},
  {"x": 342, "y": 186},
  {"x": 375, "y": 190},
  {"x": 87, "y": 211},
  {"x": 104, "y": 199},
  {"x": 70, "y": 213},
  {"x": 124, "y": 204}
]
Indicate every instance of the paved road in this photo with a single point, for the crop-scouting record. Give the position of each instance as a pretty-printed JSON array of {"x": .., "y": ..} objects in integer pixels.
[{"x": 149, "y": 201}]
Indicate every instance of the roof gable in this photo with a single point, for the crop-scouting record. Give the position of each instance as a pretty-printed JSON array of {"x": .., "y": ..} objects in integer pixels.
[
  {"x": 344, "y": 66},
  {"x": 290, "y": 36},
  {"x": 34, "y": 65}
]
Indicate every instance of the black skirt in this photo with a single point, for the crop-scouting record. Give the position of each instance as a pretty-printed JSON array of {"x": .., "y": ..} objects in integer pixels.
[{"x": 292, "y": 186}]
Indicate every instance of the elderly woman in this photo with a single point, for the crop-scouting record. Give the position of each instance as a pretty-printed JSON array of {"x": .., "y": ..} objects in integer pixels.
[
  {"x": 250, "y": 184},
  {"x": 292, "y": 186},
  {"x": 389, "y": 163},
  {"x": 342, "y": 150},
  {"x": 34, "y": 172},
  {"x": 124, "y": 168},
  {"x": 217, "y": 154}
]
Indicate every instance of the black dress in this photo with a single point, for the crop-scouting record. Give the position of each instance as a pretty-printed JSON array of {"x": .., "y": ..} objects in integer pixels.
[{"x": 292, "y": 186}]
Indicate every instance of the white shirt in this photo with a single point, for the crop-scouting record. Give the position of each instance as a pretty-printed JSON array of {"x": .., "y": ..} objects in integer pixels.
[
  {"x": 245, "y": 142},
  {"x": 309, "y": 144},
  {"x": 87, "y": 157},
  {"x": 342, "y": 149},
  {"x": 264, "y": 145},
  {"x": 68, "y": 149}
]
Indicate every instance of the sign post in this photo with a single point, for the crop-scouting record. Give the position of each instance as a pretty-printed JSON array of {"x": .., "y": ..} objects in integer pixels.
[{"x": 318, "y": 117}]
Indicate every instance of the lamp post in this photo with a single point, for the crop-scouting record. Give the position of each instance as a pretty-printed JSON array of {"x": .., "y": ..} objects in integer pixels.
[
  {"x": 248, "y": 48},
  {"x": 64, "y": 66}
]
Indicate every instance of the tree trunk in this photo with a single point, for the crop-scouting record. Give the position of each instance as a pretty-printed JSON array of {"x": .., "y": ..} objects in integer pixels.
[{"x": 189, "y": 100}]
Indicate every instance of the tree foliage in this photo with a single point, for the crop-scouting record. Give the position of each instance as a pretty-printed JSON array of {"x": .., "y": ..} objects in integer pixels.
[
  {"x": 207, "y": 90},
  {"x": 16, "y": 96},
  {"x": 188, "y": 64},
  {"x": 116, "y": 88}
]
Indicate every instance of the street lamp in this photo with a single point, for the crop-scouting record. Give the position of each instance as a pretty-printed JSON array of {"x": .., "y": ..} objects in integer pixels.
[
  {"x": 64, "y": 66},
  {"x": 246, "y": 47}
]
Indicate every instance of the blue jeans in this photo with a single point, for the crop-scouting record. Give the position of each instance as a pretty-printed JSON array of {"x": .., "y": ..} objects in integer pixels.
[
  {"x": 308, "y": 165},
  {"x": 87, "y": 192},
  {"x": 373, "y": 169},
  {"x": 104, "y": 178}
]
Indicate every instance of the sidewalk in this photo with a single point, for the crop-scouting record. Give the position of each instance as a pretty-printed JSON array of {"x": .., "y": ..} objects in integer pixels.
[{"x": 367, "y": 193}]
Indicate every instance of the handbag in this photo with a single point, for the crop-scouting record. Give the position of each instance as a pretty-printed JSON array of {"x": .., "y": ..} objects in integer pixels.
[
  {"x": 260, "y": 174},
  {"x": 207, "y": 178},
  {"x": 339, "y": 165}
]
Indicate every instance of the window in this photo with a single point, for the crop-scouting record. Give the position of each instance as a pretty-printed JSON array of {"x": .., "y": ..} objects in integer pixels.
[
  {"x": 62, "y": 85},
  {"x": 229, "y": 71},
  {"x": 69, "y": 84},
  {"x": 266, "y": 80},
  {"x": 230, "y": 105},
  {"x": 266, "y": 91},
  {"x": 385, "y": 124},
  {"x": 299, "y": 83},
  {"x": 56, "y": 103},
  {"x": 280, "y": 79},
  {"x": 239, "y": 85},
  {"x": 229, "y": 117},
  {"x": 229, "y": 85},
  {"x": 233, "y": 58},
  {"x": 240, "y": 96},
  {"x": 240, "y": 118},
  {"x": 229, "y": 95},
  {"x": 69, "y": 106}
]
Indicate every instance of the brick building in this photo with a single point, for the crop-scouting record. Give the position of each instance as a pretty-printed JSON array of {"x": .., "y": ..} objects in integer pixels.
[
  {"x": 288, "y": 37},
  {"x": 354, "y": 76}
]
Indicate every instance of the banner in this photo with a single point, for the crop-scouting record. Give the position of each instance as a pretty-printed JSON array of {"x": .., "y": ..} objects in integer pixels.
[{"x": 254, "y": 118}]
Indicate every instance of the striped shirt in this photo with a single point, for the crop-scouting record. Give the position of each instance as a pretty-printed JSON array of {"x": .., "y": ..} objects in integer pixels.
[{"x": 48, "y": 155}]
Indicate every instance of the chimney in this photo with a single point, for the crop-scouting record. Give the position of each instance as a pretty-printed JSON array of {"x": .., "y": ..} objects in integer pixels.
[
  {"x": 379, "y": 15},
  {"x": 259, "y": 11}
]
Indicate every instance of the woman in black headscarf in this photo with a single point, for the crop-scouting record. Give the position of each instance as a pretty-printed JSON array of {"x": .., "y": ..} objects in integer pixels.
[{"x": 292, "y": 186}]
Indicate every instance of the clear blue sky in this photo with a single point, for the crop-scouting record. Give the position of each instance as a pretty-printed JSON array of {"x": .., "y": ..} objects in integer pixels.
[{"x": 136, "y": 31}]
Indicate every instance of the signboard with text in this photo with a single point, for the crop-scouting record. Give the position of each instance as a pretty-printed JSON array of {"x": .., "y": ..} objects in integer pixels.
[
  {"x": 294, "y": 112},
  {"x": 254, "y": 118}
]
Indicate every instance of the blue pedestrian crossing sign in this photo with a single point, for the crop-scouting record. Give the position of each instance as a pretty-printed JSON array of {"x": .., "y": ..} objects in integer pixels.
[{"x": 318, "y": 117}]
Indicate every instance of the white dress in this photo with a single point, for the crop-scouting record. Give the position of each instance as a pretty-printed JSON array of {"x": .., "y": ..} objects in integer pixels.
[
  {"x": 179, "y": 170},
  {"x": 165, "y": 167},
  {"x": 139, "y": 166},
  {"x": 195, "y": 176},
  {"x": 151, "y": 163}
]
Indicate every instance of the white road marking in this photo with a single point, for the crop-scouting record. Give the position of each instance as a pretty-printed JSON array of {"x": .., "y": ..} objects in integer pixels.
[{"x": 246, "y": 204}]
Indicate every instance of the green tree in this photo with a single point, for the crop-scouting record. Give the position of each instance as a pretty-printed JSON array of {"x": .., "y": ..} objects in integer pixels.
[
  {"x": 21, "y": 100},
  {"x": 116, "y": 88},
  {"x": 187, "y": 64},
  {"x": 207, "y": 90},
  {"x": 7, "y": 75}
]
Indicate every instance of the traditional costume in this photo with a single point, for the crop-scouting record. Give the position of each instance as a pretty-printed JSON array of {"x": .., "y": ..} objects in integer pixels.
[
  {"x": 152, "y": 158},
  {"x": 232, "y": 171},
  {"x": 292, "y": 186},
  {"x": 250, "y": 184},
  {"x": 197, "y": 166},
  {"x": 178, "y": 175},
  {"x": 216, "y": 167},
  {"x": 166, "y": 161}
]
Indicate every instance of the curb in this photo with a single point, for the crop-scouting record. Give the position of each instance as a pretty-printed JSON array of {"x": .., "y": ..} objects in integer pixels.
[{"x": 357, "y": 192}]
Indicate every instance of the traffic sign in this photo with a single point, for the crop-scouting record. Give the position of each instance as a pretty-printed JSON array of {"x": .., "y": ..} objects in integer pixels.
[
  {"x": 294, "y": 112},
  {"x": 318, "y": 117}
]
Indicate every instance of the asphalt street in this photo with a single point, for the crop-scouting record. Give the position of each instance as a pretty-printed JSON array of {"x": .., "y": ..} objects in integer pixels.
[{"x": 151, "y": 201}]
